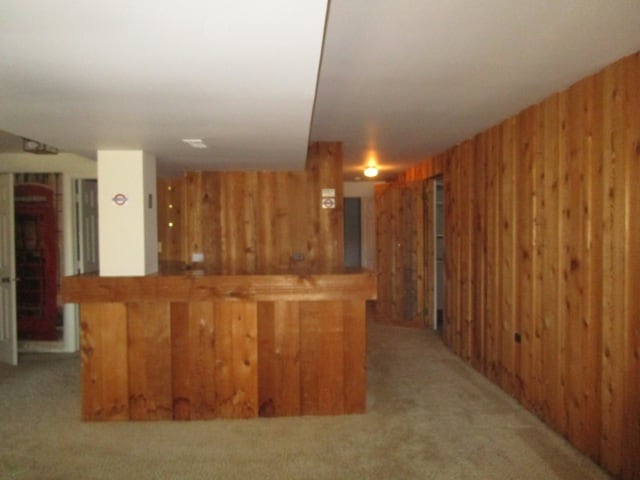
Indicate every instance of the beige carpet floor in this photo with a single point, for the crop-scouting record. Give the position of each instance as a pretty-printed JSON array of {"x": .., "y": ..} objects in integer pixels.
[{"x": 429, "y": 416}]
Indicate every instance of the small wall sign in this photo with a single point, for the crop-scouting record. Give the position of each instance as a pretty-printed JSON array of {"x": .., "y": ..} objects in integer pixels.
[
  {"x": 119, "y": 199},
  {"x": 328, "y": 203}
]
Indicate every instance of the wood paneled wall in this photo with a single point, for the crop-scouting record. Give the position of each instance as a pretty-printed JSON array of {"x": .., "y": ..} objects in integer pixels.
[
  {"x": 158, "y": 360},
  {"x": 246, "y": 222},
  {"x": 543, "y": 260}
]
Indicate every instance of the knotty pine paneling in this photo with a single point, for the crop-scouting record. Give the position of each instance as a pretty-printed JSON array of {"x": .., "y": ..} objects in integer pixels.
[
  {"x": 248, "y": 222},
  {"x": 191, "y": 346},
  {"x": 543, "y": 244},
  {"x": 103, "y": 355},
  {"x": 170, "y": 220},
  {"x": 401, "y": 213}
]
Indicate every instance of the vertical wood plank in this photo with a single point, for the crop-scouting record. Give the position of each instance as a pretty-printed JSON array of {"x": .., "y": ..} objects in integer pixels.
[
  {"x": 180, "y": 360},
  {"x": 266, "y": 221},
  {"x": 508, "y": 247},
  {"x": 103, "y": 347},
  {"x": 250, "y": 246},
  {"x": 279, "y": 362},
  {"x": 192, "y": 232},
  {"x": 429, "y": 261},
  {"x": 244, "y": 366},
  {"x": 537, "y": 266},
  {"x": 493, "y": 262},
  {"x": 322, "y": 358},
  {"x": 287, "y": 342},
  {"x": 592, "y": 323},
  {"x": 631, "y": 441},
  {"x": 149, "y": 361},
  {"x": 478, "y": 254},
  {"x": 614, "y": 318},
  {"x": 331, "y": 385},
  {"x": 310, "y": 358},
  {"x": 224, "y": 386},
  {"x": 267, "y": 361},
  {"x": 465, "y": 248},
  {"x": 384, "y": 252},
  {"x": 211, "y": 210},
  {"x": 355, "y": 350},
  {"x": 524, "y": 253},
  {"x": 574, "y": 270},
  {"x": 202, "y": 376}
]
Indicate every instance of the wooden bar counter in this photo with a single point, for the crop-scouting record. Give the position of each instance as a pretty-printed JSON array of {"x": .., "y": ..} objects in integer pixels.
[{"x": 195, "y": 345}]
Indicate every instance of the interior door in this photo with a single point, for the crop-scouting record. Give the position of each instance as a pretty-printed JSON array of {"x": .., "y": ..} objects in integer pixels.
[
  {"x": 8, "y": 330},
  {"x": 88, "y": 225}
]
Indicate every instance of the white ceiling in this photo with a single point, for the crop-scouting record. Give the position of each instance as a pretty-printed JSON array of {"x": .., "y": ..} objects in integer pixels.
[{"x": 407, "y": 78}]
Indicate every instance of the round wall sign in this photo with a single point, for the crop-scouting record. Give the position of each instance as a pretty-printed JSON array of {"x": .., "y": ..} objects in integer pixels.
[{"x": 119, "y": 199}]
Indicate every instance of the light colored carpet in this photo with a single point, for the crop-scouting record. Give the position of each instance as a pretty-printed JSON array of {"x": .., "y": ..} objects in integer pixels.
[{"x": 429, "y": 416}]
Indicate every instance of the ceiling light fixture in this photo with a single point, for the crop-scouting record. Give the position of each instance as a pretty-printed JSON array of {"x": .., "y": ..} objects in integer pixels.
[
  {"x": 371, "y": 171},
  {"x": 194, "y": 142}
]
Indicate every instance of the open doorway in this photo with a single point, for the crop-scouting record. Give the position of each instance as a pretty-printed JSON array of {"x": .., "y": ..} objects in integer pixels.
[
  {"x": 39, "y": 315},
  {"x": 51, "y": 241},
  {"x": 39, "y": 254},
  {"x": 439, "y": 297},
  {"x": 352, "y": 233},
  {"x": 434, "y": 253}
]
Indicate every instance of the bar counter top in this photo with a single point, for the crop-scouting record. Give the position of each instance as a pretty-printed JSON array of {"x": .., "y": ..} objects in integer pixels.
[{"x": 181, "y": 284}]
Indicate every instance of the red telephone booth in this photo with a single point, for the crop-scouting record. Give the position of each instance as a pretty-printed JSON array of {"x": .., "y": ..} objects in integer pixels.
[{"x": 36, "y": 262}]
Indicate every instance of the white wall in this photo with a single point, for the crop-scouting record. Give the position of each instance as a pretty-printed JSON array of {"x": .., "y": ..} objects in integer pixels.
[
  {"x": 128, "y": 232},
  {"x": 364, "y": 191},
  {"x": 68, "y": 163}
]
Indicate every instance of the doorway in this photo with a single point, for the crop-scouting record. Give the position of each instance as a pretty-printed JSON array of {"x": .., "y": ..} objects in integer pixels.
[
  {"x": 39, "y": 256},
  {"x": 439, "y": 296},
  {"x": 39, "y": 316},
  {"x": 352, "y": 233},
  {"x": 434, "y": 258},
  {"x": 439, "y": 254}
]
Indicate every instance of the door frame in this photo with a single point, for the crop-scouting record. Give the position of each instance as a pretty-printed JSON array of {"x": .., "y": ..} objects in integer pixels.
[{"x": 9, "y": 346}]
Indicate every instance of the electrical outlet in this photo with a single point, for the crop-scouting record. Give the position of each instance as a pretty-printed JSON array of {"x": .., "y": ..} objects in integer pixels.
[{"x": 197, "y": 257}]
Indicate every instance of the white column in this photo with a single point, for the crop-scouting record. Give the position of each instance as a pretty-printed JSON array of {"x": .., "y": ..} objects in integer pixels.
[{"x": 128, "y": 222}]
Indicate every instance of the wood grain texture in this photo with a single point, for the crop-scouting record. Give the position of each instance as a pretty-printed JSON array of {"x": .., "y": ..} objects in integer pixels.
[
  {"x": 149, "y": 361},
  {"x": 105, "y": 387},
  {"x": 245, "y": 222},
  {"x": 554, "y": 244},
  {"x": 279, "y": 358},
  {"x": 355, "y": 352},
  {"x": 170, "y": 210},
  {"x": 400, "y": 240},
  {"x": 196, "y": 352},
  {"x": 180, "y": 361},
  {"x": 428, "y": 273},
  {"x": 631, "y": 463},
  {"x": 202, "y": 286}
]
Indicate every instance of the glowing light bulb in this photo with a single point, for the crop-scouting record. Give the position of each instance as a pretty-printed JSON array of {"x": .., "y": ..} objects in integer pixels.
[{"x": 371, "y": 171}]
